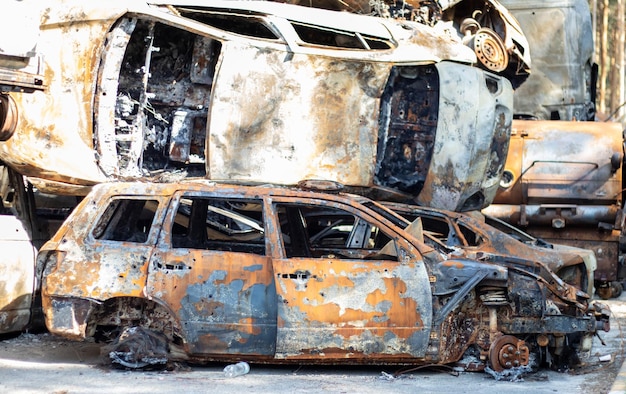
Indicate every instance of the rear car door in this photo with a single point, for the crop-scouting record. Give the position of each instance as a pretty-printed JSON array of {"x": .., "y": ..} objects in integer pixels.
[
  {"x": 342, "y": 290},
  {"x": 210, "y": 268}
]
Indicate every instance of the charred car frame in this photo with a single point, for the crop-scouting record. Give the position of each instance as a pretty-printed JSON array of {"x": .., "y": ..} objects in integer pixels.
[
  {"x": 275, "y": 274},
  {"x": 480, "y": 237}
]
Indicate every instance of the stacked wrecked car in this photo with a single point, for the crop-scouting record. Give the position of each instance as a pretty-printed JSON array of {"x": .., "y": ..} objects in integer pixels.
[{"x": 276, "y": 274}]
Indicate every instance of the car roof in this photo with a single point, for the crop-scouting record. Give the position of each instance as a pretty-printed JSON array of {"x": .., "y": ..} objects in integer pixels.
[{"x": 201, "y": 184}]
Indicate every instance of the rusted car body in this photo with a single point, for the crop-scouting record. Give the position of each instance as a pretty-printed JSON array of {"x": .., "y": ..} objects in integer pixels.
[
  {"x": 563, "y": 180},
  {"x": 563, "y": 183},
  {"x": 475, "y": 236},
  {"x": 243, "y": 90},
  {"x": 275, "y": 274}
]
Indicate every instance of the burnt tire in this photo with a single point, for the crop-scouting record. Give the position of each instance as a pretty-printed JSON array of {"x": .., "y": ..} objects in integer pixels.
[
  {"x": 605, "y": 292},
  {"x": 139, "y": 348}
]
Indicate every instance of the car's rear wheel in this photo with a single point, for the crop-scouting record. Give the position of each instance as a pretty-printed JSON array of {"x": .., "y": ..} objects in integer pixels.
[{"x": 139, "y": 347}]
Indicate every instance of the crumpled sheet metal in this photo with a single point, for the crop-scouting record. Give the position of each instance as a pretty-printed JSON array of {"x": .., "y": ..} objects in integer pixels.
[{"x": 303, "y": 309}]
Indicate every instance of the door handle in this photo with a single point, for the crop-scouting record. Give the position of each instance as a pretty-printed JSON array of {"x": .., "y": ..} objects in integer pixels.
[{"x": 298, "y": 275}]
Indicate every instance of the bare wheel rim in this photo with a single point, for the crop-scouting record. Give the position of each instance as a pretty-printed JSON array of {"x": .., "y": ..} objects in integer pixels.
[{"x": 490, "y": 50}]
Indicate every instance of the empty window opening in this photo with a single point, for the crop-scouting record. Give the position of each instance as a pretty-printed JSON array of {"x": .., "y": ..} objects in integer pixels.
[
  {"x": 162, "y": 79},
  {"x": 246, "y": 25},
  {"x": 232, "y": 225},
  {"x": 317, "y": 35},
  {"x": 323, "y": 232},
  {"x": 126, "y": 220}
]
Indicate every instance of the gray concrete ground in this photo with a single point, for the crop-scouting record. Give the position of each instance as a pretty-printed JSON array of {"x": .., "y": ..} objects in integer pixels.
[{"x": 42, "y": 363}]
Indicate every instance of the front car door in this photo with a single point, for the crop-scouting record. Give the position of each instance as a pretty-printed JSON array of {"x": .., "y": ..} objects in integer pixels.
[{"x": 339, "y": 295}]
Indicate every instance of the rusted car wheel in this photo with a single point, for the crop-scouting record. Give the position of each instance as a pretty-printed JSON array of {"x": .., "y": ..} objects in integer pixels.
[
  {"x": 490, "y": 50},
  {"x": 605, "y": 291},
  {"x": 616, "y": 289}
]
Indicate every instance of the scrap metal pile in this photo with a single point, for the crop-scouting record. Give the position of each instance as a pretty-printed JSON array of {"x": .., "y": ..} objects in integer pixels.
[{"x": 181, "y": 136}]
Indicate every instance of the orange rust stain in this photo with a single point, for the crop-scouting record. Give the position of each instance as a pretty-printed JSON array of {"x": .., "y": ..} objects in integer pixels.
[
  {"x": 381, "y": 309},
  {"x": 207, "y": 308},
  {"x": 252, "y": 269},
  {"x": 201, "y": 265},
  {"x": 209, "y": 341},
  {"x": 248, "y": 326},
  {"x": 455, "y": 264}
]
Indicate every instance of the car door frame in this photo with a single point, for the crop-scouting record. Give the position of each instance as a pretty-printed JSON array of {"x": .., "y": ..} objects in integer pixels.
[{"x": 221, "y": 311}]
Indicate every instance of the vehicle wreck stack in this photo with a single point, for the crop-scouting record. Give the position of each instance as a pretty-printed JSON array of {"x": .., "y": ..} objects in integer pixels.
[{"x": 191, "y": 236}]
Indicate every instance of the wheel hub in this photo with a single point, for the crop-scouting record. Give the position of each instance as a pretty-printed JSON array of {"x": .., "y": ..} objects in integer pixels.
[{"x": 508, "y": 352}]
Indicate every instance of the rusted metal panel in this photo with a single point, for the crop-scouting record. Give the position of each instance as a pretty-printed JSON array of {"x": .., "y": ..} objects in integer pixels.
[
  {"x": 466, "y": 168},
  {"x": 226, "y": 300},
  {"x": 564, "y": 162},
  {"x": 563, "y": 182},
  {"x": 337, "y": 309},
  {"x": 604, "y": 244},
  {"x": 105, "y": 271},
  {"x": 318, "y": 151},
  {"x": 471, "y": 236},
  {"x": 558, "y": 215},
  {"x": 319, "y": 118}
]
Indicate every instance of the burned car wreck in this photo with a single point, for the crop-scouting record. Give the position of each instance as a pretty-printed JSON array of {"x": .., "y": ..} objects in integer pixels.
[
  {"x": 140, "y": 90},
  {"x": 200, "y": 271},
  {"x": 476, "y": 236}
]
